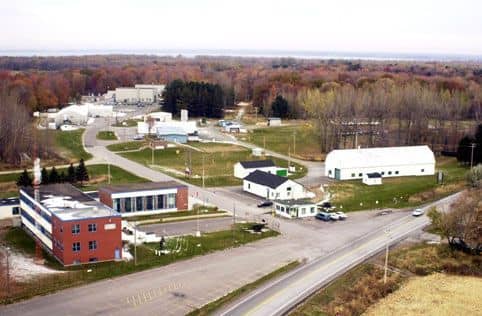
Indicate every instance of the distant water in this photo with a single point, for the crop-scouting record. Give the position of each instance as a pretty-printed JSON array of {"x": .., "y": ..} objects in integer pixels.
[{"x": 255, "y": 53}]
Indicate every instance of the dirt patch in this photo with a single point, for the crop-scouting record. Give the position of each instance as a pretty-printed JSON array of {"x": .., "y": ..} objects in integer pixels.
[
  {"x": 23, "y": 268},
  {"x": 436, "y": 294},
  {"x": 434, "y": 193},
  {"x": 8, "y": 186}
]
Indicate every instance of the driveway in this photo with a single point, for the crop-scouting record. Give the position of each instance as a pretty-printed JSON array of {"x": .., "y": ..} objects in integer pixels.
[{"x": 189, "y": 227}]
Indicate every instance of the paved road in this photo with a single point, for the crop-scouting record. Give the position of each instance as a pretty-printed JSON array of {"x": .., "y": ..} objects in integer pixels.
[
  {"x": 189, "y": 227},
  {"x": 280, "y": 296}
]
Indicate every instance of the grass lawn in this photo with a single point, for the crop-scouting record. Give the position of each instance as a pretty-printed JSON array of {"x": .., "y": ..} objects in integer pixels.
[
  {"x": 97, "y": 173},
  {"x": 210, "y": 308},
  {"x": 134, "y": 145},
  {"x": 69, "y": 145},
  {"x": 127, "y": 123},
  {"x": 106, "y": 135},
  {"x": 181, "y": 248},
  {"x": 203, "y": 210},
  {"x": 281, "y": 139},
  {"x": 399, "y": 192},
  {"x": 219, "y": 160}
]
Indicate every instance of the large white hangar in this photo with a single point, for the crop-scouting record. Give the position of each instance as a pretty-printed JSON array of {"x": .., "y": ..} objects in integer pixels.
[{"x": 348, "y": 164}]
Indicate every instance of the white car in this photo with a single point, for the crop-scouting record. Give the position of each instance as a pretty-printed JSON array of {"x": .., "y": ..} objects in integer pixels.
[
  {"x": 341, "y": 215},
  {"x": 334, "y": 216},
  {"x": 418, "y": 212}
]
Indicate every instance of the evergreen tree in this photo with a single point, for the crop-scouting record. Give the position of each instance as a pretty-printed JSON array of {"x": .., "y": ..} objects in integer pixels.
[
  {"x": 24, "y": 180},
  {"x": 81, "y": 173},
  {"x": 62, "y": 177},
  {"x": 45, "y": 176},
  {"x": 478, "y": 145},
  {"x": 71, "y": 177},
  {"x": 464, "y": 150},
  {"x": 280, "y": 107},
  {"x": 54, "y": 176}
]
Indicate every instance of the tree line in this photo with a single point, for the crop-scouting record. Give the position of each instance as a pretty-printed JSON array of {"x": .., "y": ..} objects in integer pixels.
[
  {"x": 199, "y": 98},
  {"x": 469, "y": 150},
  {"x": 78, "y": 174}
]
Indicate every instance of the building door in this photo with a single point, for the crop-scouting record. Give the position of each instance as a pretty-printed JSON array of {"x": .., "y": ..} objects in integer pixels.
[
  {"x": 337, "y": 174},
  {"x": 117, "y": 254}
]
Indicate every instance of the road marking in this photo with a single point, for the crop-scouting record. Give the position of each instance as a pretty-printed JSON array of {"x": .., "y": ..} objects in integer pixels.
[
  {"x": 325, "y": 266},
  {"x": 150, "y": 294}
]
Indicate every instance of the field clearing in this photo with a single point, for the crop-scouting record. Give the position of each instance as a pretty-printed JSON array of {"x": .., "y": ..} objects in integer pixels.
[
  {"x": 436, "y": 294},
  {"x": 399, "y": 192},
  {"x": 106, "y": 135},
  {"x": 126, "y": 146},
  {"x": 218, "y": 163},
  {"x": 300, "y": 141}
]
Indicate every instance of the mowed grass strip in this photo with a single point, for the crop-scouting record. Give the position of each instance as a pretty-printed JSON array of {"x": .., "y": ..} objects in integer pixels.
[
  {"x": 209, "y": 308},
  {"x": 70, "y": 146},
  {"x": 218, "y": 164},
  {"x": 299, "y": 141},
  {"x": 181, "y": 248},
  {"x": 106, "y": 135},
  {"x": 399, "y": 192}
]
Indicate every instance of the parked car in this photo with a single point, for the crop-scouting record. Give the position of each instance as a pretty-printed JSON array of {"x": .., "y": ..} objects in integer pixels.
[
  {"x": 341, "y": 215},
  {"x": 418, "y": 212},
  {"x": 334, "y": 216},
  {"x": 324, "y": 216},
  {"x": 265, "y": 204},
  {"x": 138, "y": 137}
]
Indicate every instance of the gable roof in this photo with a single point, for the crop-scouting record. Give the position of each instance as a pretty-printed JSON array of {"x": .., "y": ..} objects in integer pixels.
[
  {"x": 380, "y": 157},
  {"x": 257, "y": 164},
  {"x": 267, "y": 179}
]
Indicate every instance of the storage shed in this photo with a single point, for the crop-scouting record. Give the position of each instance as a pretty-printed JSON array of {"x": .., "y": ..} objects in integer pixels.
[
  {"x": 295, "y": 208},
  {"x": 374, "y": 178},
  {"x": 350, "y": 164},
  {"x": 274, "y": 121}
]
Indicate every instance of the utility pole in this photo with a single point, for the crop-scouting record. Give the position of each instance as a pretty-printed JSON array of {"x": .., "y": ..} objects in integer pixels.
[
  {"x": 294, "y": 142},
  {"x": 135, "y": 243},
  {"x": 203, "y": 171},
  {"x": 386, "y": 257},
  {"x": 472, "y": 146}
]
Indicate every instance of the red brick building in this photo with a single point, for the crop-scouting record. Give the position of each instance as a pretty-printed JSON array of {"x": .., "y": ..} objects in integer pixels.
[
  {"x": 145, "y": 198},
  {"x": 72, "y": 226}
]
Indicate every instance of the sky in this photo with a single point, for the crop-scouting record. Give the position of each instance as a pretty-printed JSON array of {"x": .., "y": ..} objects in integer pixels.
[{"x": 402, "y": 26}]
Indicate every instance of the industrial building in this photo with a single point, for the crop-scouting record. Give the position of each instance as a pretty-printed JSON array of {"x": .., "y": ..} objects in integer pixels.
[
  {"x": 273, "y": 187},
  {"x": 71, "y": 225},
  {"x": 140, "y": 93},
  {"x": 244, "y": 168},
  {"x": 295, "y": 208},
  {"x": 145, "y": 198},
  {"x": 350, "y": 164},
  {"x": 172, "y": 134}
]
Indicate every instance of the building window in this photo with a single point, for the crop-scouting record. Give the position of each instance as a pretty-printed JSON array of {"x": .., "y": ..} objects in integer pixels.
[
  {"x": 389, "y": 172},
  {"x": 93, "y": 259},
  {"x": 149, "y": 203},
  {"x": 93, "y": 245},
  {"x": 92, "y": 227},
  {"x": 303, "y": 211},
  {"x": 312, "y": 210},
  {"x": 139, "y": 204},
  {"x": 76, "y": 229},
  {"x": 15, "y": 210},
  {"x": 161, "y": 204},
  {"x": 396, "y": 172},
  {"x": 352, "y": 175},
  {"x": 360, "y": 174},
  {"x": 329, "y": 172},
  {"x": 383, "y": 173},
  {"x": 288, "y": 189},
  {"x": 171, "y": 200},
  {"x": 127, "y": 205},
  {"x": 76, "y": 247},
  {"x": 116, "y": 205},
  {"x": 249, "y": 185},
  {"x": 423, "y": 170}
]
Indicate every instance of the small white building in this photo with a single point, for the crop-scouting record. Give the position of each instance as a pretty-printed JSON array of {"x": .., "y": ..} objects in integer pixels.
[
  {"x": 189, "y": 127},
  {"x": 9, "y": 208},
  {"x": 244, "y": 168},
  {"x": 272, "y": 187},
  {"x": 373, "y": 178},
  {"x": 274, "y": 121},
  {"x": 350, "y": 164},
  {"x": 295, "y": 208},
  {"x": 159, "y": 116}
]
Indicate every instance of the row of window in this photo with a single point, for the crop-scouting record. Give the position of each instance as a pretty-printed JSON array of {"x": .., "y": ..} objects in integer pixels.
[
  {"x": 144, "y": 203},
  {"x": 34, "y": 207},
  {"x": 29, "y": 218},
  {"x": 76, "y": 245},
  {"x": 90, "y": 227},
  {"x": 382, "y": 173},
  {"x": 303, "y": 210}
]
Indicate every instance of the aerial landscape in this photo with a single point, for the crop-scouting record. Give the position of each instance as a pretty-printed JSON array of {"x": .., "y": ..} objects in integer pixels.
[{"x": 240, "y": 158}]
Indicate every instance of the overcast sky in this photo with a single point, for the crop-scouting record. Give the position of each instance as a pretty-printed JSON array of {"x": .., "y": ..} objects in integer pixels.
[{"x": 402, "y": 26}]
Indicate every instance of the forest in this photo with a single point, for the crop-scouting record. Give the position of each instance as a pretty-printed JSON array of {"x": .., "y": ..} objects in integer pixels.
[{"x": 386, "y": 102}]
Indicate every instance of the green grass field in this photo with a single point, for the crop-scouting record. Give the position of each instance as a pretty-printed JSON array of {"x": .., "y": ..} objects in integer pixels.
[
  {"x": 399, "y": 192},
  {"x": 134, "y": 145},
  {"x": 219, "y": 160},
  {"x": 181, "y": 248},
  {"x": 69, "y": 145},
  {"x": 298, "y": 140},
  {"x": 106, "y": 135}
]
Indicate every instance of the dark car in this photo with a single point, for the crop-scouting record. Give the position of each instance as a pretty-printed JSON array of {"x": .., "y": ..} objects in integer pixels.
[
  {"x": 323, "y": 216},
  {"x": 265, "y": 204}
]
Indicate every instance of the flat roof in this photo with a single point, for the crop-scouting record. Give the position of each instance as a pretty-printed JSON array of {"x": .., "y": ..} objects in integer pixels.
[
  {"x": 9, "y": 201},
  {"x": 69, "y": 203},
  {"x": 145, "y": 186}
]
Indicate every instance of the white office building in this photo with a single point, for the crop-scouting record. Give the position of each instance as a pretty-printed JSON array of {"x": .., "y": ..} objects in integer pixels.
[
  {"x": 350, "y": 164},
  {"x": 272, "y": 187}
]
